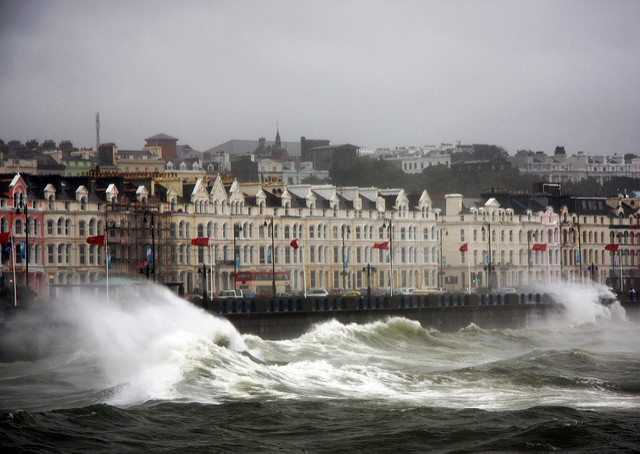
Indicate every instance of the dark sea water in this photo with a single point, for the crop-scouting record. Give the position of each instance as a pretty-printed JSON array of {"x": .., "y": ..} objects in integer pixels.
[{"x": 153, "y": 373}]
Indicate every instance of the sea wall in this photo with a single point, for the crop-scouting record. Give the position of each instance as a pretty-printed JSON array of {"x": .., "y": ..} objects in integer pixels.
[{"x": 286, "y": 318}]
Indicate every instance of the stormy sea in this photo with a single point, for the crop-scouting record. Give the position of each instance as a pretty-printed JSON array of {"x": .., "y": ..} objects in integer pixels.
[{"x": 148, "y": 371}]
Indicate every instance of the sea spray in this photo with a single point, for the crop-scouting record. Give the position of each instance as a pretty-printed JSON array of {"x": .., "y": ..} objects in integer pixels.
[
  {"x": 588, "y": 303},
  {"x": 142, "y": 340}
]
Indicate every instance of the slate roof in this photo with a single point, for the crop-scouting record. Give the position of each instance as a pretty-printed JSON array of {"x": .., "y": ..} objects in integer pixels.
[{"x": 160, "y": 137}]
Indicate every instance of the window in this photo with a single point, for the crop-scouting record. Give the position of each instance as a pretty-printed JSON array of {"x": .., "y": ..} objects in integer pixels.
[
  {"x": 50, "y": 227},
  {"x": 82, "y": 254},
  {"x": 51, "y": 253}
]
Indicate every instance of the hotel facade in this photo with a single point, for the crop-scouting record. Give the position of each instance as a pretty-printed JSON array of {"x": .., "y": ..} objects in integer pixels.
[{"x": 150, "y": 220}]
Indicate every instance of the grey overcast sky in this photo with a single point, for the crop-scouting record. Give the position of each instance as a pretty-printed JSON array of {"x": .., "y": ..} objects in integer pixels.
[{"x": 519, "y": 74}]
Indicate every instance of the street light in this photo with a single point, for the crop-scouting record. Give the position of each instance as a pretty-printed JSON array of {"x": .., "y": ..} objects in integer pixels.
[
  {"x": 619, "y": 236},
  {"x": 345, "y": 229},
  {"x": 25, "y": 204},
  {"x": 592, "y": 269},
  {"x": 443, "y": 232},
  {"x": 368, "y": 269},
  {"x": 389, "y": 221},
  {"x": 204, "y": 281},
  {"x": 237, "y": 228},
  {"x": 153, "y": 245},
  {"x": 489, "y": 266},
  {"x": 529, "y": 232},
  {"x": 574, "y": 230},
  {"x": 269, "y": 222},
  {"x": 563, "y": 242}
]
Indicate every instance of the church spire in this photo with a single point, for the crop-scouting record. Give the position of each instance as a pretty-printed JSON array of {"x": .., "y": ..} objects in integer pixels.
[{"x": 278, "y": 143}]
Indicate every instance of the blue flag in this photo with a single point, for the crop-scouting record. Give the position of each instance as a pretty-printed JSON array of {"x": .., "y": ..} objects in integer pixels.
[
  {"x": 109, "y": 261},
  {"x": 149, "y": 256},
  {"x": 23, "y": 250},
  {"x": 269, "y": 255},
  {"x": 6, "y": 251},
  {"x": 577, "y": 256},
  {"x": 237, "y": 260}
]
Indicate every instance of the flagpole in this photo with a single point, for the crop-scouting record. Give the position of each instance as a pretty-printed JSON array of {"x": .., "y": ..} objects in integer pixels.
[
  {"x": 106, "y": 257},
  {"x": 468, "y": 274},
  {"x": 211, "y": 267},
  {"x": 548, "y": 267},
  {"x": 13, "y": 258},
  {"x": 304, "y": 270}
]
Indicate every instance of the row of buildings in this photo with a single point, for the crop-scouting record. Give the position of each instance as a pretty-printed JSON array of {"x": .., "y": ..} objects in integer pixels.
[
  {"x": 247, "y": 160},
  {"x": 405, "y": 239},
  {"x": 559, "y": 167},
  {"x": 296, "y": 162}
]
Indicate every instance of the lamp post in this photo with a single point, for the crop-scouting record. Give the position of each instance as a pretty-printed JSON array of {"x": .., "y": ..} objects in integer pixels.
[
  {"x": 489, "y": 264},
  {"x": 388, "y": 223},
  {"x": 237, "y": 228},
  {"x": 269, "y": 222},
  {"x": 574, "y": 230},
  {"x": 153, "y": 245},
  {"x": 204, "y": 281},
  {"x": 345, "y": 230},
  {"x": 563, "y": 242},
  {"x": 529, "y": 256},
  {"x": 443, "y": 232},
  {"x": 25, "y": 204},
  {"x": 619, "y": 235},
  {"x": 368, "y": 269}
]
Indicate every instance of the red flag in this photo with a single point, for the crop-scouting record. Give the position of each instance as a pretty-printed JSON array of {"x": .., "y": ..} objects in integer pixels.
[
  {"x": 611, "y": 247},
  {"x": 200, "y": 241},
  {"x": 384, "y": 245},
  {"x": 294, "y": 244},
  {"x": 5, "y": 237},
  {"x": 464, "y": 248},
  {"x": 141, "y": 265},
  {"x": 539, "y": 247},
  {"x": 96, "y": 240}
]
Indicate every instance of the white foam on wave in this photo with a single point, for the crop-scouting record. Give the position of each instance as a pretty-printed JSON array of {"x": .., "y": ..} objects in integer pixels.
[
  {"x": 145, "y": 340},
  {"x": 590, "y": 303}
]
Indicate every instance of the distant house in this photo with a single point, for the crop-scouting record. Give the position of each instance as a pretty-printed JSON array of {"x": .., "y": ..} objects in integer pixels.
[
  {"x": 167, "y": 143},
  {"x": 488, "y": 165},
  {"x": 329, "y": 157}
]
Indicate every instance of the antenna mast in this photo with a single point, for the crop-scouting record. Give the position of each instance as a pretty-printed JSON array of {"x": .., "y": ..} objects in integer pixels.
[{"x": 97, "y": 131}]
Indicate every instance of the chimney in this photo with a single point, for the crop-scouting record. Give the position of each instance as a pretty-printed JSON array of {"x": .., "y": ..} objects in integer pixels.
[{"x": 453, "y": 204}]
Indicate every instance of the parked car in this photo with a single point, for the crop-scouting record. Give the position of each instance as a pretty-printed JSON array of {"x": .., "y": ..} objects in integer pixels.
[
  {"x": 352, "y": 293},
  {"x": 317, "y": 293},
  {"x": 337, "y": 292},
  {"x": 231, "y": 294}
]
